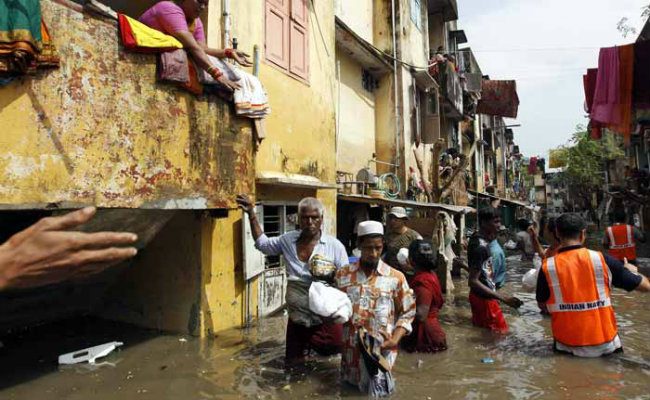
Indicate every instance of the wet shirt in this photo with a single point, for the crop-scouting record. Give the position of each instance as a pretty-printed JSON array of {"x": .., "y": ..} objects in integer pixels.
[
  {"x": 168, "y": 17},
  {"x": 397, "y": 241},
  {"x": 328, "y": 249},
  {"x": 480, "y": 258},
  {"x": 381, "y": 302},
  {"x": 622, "y": 278},
  {"x": 498, "y": 263}
]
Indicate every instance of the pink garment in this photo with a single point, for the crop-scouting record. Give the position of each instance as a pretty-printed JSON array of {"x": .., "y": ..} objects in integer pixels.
[
  {"x": 606, "y": 106},
  {"x": 168, "y": 17}
]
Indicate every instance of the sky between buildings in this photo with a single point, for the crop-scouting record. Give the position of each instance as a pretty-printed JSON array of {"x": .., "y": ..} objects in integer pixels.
[{"x": 546, "y": 45}]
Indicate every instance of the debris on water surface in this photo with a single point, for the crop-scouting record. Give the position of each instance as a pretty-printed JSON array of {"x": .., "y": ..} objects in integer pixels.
[
  {"x": 286, "y": 387},
  {"x": 487, "y": 361},
  {"x": 420, "y": 363}
]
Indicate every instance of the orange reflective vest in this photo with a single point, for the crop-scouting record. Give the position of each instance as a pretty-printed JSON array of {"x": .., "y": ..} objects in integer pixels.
[
  {"x": 582, "y": 316},
  {"x": 621, "y": 242}
]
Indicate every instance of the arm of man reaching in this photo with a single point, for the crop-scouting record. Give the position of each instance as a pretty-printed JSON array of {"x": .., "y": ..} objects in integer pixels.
[
  {"x": 269, "y": 246},
  {"x": 47, "y": 252},
  {"x": 200, "y": 56},
  {"x": 475, "y": 263},
  {"x": 537, "y": 245},
  {"x": 625, "y": 276}
]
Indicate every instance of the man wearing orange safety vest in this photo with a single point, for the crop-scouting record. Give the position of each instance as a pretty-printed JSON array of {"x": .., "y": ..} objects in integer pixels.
[
  {"x": 621, "y": 239},
  {"x": 574, "y": 286}
]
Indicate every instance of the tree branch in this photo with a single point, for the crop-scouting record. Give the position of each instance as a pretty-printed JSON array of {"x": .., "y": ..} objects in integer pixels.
[
  {"x": 420, "y": 165},
  {"x": 448, "y": 186},
  {"x": 435, "y": 169}
]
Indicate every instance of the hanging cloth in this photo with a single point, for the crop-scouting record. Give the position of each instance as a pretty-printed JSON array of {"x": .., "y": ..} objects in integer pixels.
[
  {"x": 607, "y": 93},
  {"x": 626, "y": 76},
  {"x": 589, "y": 82},
  {"x": 138, "y": 37},
  {"x": 25, "y": 42}
]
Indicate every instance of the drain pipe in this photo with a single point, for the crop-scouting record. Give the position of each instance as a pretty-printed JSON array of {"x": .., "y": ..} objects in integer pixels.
[
  {"x": 226, "y": 23},
  {"x": 395, "y": 81}
]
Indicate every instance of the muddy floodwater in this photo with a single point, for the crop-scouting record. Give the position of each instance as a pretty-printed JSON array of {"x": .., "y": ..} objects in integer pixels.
[{"x": 248, "y": 363}]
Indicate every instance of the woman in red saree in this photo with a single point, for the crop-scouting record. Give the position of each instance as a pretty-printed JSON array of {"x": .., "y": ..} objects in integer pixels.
[{"x": 427, "y": 336}]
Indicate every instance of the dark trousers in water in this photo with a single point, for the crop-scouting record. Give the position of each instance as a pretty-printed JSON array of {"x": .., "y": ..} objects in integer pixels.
[{"x": 325, "y": 339}]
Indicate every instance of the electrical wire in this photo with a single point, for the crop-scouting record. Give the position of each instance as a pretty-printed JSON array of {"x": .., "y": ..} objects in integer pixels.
[{"x": 319, "y": 28}]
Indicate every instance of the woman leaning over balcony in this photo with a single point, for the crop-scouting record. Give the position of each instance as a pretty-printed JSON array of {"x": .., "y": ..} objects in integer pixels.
[{"x": 180, "y": 18}]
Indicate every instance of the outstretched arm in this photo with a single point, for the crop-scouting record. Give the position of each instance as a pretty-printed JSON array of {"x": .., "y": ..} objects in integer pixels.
[{"x": 48, "y": 252}]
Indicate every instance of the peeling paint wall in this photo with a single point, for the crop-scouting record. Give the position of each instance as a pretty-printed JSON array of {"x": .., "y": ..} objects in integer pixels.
[
  {"x": 224, "y": 297},
  {"x": 101, "y": 130},
  {"x": 301, "y": 128}
]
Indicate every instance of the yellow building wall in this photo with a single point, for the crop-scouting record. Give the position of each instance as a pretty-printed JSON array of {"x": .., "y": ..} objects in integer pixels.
[
  {"x": 356, "y": 118},
  {"x": 359, "y": 16},
  {"x": 300, "y": 130},
  {"x": 224, "y": 293},
  {"x": 100, "y": 130},
  {"x": 300, "y": 139},
  {"x": 385, "y": 123}
]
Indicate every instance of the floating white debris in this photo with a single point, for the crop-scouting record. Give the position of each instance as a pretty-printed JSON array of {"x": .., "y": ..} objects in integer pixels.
[{"x": 89, "y": 355}]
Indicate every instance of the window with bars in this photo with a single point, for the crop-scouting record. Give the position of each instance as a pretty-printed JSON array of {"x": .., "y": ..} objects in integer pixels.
[
  {"x": 286, "y": 36},
  {"x": 368, "y": 82},
  {"x": 277, "y": 220}
]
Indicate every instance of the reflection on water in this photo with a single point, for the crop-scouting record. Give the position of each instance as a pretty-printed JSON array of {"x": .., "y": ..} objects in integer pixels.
[{"x": 249, "y": 364}]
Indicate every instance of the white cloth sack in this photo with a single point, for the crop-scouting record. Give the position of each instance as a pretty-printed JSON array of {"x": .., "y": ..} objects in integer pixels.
[{"x": 329, "y": 302}]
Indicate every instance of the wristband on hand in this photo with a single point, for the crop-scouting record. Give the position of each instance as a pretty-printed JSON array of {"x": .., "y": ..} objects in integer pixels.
[
  {"x": 229, "y": 53},
  {"x": 214, "y": 72}
]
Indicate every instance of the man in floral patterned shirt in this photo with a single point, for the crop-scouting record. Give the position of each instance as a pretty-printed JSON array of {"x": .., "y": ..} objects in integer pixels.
[{"x": 382, "y": 303}]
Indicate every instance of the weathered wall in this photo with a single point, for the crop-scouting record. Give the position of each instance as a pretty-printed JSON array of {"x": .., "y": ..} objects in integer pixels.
[
  {"x": 101, "y": 130},
  {"x": 358, "y": 15},
  {"x": 385, "y": 122},
  {"x": 383, "y": 31},
  {"x": 436, "y": 32},
  {"x": 357, "y": 118},
  {"x": 224, "y": 296},
  {"x": 414, "y": 46},
  {"x": 301, "y": 128}
]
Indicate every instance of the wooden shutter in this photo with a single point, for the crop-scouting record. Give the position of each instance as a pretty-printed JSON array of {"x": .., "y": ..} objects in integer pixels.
[
  {"x": 277, "y": 23},
  {"x": 299, "y": 39},
  {"x": 430, "y": 117},
  {"x": 299, "y": 12}
]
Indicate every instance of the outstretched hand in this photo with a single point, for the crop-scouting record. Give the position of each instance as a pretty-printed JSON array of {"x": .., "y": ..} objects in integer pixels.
[
  {"x": 513, "y": 302},
  {"x": 245, "y": 203},
  {"x": 48, "y": 252},
  {"x": 241, "y": 58}
]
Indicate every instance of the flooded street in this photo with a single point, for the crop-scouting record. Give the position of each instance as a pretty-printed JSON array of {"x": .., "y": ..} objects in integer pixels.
[{"x": 249, "y": 364}]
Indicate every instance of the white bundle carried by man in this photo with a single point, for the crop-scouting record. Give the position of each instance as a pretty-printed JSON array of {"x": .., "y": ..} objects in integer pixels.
[{"x": 329, "y": 302}]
